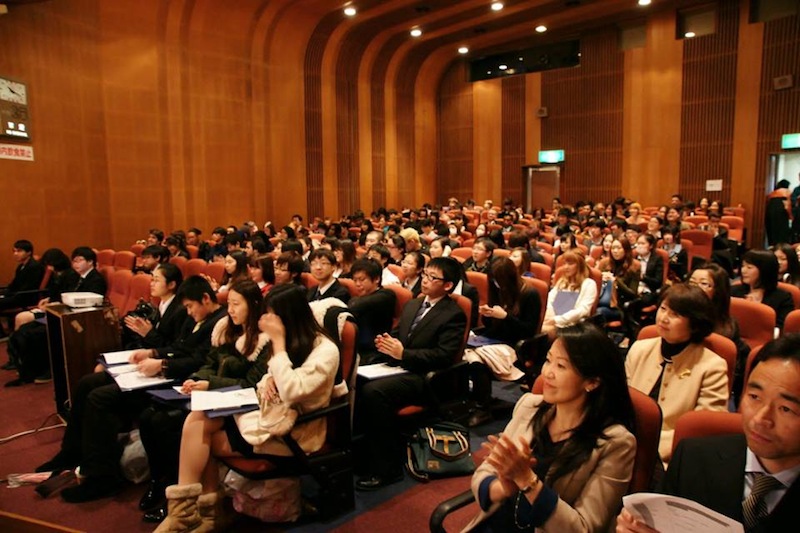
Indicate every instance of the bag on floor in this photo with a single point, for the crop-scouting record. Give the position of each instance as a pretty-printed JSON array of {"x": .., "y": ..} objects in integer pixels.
[
  {"x": 438, "y": 451},
  {"x": 133, "y": 461},
  {"x": 269, "y": 500}
]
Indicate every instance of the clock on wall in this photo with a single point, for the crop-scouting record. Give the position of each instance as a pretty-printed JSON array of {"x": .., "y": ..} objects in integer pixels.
[{"x": 14, "y": 118}]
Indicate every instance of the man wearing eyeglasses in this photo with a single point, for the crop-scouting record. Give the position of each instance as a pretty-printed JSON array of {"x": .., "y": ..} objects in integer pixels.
[
  {"x": 428, "y": 337},
  {"x": 323, "y": 264}
]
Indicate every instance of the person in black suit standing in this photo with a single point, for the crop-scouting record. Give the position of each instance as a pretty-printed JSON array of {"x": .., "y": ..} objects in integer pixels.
[
  {"x": 323, "y": 264},
  {"x": 751, "y": 478},
  {"x": 428, "y": 337}
]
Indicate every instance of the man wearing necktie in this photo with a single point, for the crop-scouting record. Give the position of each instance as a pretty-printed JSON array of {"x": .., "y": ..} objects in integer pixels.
[
  {"x": 750, "y": 477},
  {"x": 428, "y": 337}
]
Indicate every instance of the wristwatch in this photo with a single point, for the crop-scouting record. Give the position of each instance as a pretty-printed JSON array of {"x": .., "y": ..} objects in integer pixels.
[{"x": 531, "y": 485}]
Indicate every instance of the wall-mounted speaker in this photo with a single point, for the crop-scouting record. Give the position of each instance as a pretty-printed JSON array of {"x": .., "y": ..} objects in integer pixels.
[{"x": 783, "y": 82}]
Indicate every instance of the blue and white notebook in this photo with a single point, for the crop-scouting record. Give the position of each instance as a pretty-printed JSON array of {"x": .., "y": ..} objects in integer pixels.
[{"x": 564, "y": 301}]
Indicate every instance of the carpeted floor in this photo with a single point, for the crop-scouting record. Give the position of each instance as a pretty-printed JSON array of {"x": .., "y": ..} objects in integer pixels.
[{"x": 406, "y": 505}]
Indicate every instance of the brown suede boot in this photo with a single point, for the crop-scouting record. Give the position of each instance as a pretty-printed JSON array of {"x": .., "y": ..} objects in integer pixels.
[
  {"x": 182, "y": 509},
  {"x": 213, "y": 512}
]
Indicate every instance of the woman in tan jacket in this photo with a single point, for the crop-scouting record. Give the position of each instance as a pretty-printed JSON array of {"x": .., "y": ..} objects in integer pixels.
[
  {"x": 674, "y": 368},
  {"x": 564, "y": 461}
]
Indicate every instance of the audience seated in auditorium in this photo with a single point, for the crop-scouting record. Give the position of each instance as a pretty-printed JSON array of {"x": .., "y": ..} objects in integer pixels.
[
  {"x": 27, "y": 278},
  {"x": 152, "y": 256},
  {"x": 261, "y": 269},
  {"x": 788, "y": 264},
  {"x": 171, "y": 314},
  {"x": 289, "y": 268},
  {"x": 481, "y": 258},
  {"x": 428, "y": 337},
  {"x": 412, "y": 266},
  {"x": 380, "y": 253},
  {"x": 620, "y": 280}
]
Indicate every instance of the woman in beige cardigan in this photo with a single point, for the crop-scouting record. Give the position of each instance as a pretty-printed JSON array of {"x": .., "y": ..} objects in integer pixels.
[
  {"x": 300, "y": 373},
  {"x": 564, "y": 461},
  {"x": 674, "y": 368}
]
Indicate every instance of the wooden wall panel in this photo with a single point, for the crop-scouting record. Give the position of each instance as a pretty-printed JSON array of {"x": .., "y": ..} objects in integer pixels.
[
  {"x": 513, "y": 137},
  {"x": 455, "y": 118},
  {"x": 585, "y": 106},
  {"x": 487, "y": 139},
  {"x": 708, "y": 107},
  {"x": 652, "y": 114},
  {"x": 779, "y": 110}
]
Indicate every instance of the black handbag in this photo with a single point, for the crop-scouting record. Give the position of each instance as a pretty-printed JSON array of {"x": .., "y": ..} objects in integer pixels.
[{"x": 438, "y": 451}]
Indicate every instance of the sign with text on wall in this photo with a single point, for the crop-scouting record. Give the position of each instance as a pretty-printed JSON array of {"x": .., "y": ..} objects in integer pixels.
[{"x": 19, "y": 152}]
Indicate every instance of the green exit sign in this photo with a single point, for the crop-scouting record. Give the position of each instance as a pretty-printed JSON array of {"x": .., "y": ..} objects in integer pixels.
[
  {"x": 551, "y": 156},
  {"x": 788, "y": 141}
]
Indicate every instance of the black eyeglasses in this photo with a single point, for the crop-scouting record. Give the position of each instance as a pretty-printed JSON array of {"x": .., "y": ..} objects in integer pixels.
[{"x": 431, "y": 277}]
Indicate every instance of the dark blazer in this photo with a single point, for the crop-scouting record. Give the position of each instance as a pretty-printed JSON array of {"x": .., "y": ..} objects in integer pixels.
[
  {"x": 437, "y": 338},
  {"x": 27, "y": 277},
  {"x": 93, "y": 282},
  {"x": 654, "y": 273},
  {"x": 515, "y": 327},
  {"x": 374, "y": 314},
  {"x": 188, "y": 352},
  {"x": 710, "y": 471},
  {"x": 337, "y": 290},
  {"x": 168, "y": 328},
  {"x": 778, "y": 299},
  {"x": 417, "y": 288}
]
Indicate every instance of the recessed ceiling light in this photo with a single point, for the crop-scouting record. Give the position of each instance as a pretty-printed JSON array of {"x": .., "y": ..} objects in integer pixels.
[
  {"x": 463, "y": 50},
  {"x": 350, "y": 11},
  {"x": 541, "y": 28},
  {"x": 416, "y": 32},
  {"x": 503, "y": 67},
  {"x": 644, "y": 2},
  {"x": 689, "y": 34},
  {"x": 497, "y": 6}
]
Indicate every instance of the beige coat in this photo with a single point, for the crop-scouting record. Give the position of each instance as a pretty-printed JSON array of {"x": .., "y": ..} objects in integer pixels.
[
  {"x": 697, "y": 380},
  {"x": 591, "y": 496},
  {"x": 306, "y": 388}
]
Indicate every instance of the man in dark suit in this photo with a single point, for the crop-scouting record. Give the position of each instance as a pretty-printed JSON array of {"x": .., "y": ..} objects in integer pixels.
[
  {"x": 428, "y": 337},
  {"x": 751, "y": 478},
  {"x": 323, "y": 264},
  {"x": 84, "y": 263},
  {"x": 27, "y": 277}
]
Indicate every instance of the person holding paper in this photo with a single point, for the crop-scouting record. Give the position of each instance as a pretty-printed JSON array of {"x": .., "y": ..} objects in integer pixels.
[
  {"x": 675, "y": 369},
  {"x": 565, "y": 459},
  {"x": 301, "y": 369},
  {"x": 572, "y": 296},
  {"x": 753, "y": 477},
  {"x": 511, "y": 315}
]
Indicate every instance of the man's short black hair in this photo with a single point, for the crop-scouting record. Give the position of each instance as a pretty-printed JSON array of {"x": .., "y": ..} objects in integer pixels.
[
  {"x": 370, "y": 267},
  {"x": 323, "y": 253},
  {"x": 259, "y": 246},
  {"x": 292, "y": 245},
  {"x": 25, "y": 245},
  {"x": 85, "y": 252},
  {"x": 157, "y": 233},
  {"x": 156, "y": 251},
  {"x": 381, "y": 250},
  {"x": 451, "y": 270},
  {"x": 196, "y": 231},
  {"x": 194, "y": 287},
  {"x": 232, "y": 238},
  {"x": 219, "y": 230}
]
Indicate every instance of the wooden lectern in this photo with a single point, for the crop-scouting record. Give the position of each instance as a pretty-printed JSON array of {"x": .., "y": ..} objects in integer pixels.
[{"x": 76, "y": 337}]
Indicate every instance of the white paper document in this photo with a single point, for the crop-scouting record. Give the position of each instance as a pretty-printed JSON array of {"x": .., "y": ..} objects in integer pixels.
[
  {"x": 209, "y": 400},
  {"x": 116, "y": 370},
  {"x": 117, "y": 358},
  {"x": 137, "y": 380},
  {"x": 380, "y": 370},
  {"x": 670, "y": 514}
]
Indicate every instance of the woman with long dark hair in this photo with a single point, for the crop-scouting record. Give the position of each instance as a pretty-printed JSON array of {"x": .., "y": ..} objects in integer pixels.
[
  {"x": 760, "y": 284},
  {"x": 620, "y": 279},
  {"x": 579, "y": 433},
  {"x": 300, "y": 372},
  {"x": 788, "y": 264},
  {"x": 511, "y": 315}
]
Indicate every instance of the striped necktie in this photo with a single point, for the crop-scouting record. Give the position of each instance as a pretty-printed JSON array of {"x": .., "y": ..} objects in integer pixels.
[
  {"x": 754, "y": 508},
  {"x": 421, "y": 313}
]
